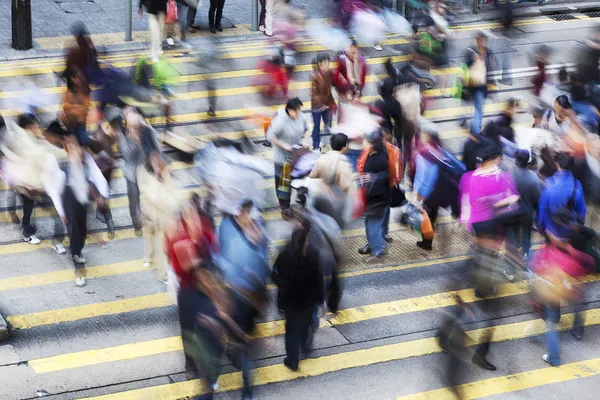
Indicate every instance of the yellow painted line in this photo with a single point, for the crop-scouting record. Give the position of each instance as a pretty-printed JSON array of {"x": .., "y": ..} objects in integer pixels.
[
  {"x": 89, "y": 311},
  {"x": 342, "y": 361},
  {"x": 67, "y": 275},
  {"x": 514, "y": 382},
  {"x": 262, "y": 330}
]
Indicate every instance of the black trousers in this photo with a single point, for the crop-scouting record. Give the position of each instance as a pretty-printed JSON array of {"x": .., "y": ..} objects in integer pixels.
[
  {"x": 297, "y": 327},
  {"x": 28, "y": 229},
  {"x": 215, "y": 6},
  {"x": 76, "y": 214}
]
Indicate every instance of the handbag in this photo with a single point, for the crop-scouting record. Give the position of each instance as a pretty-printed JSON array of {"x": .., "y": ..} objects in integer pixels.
[
  {"x": 172, "y": 16},
  {"x": 398, "y": 197}
]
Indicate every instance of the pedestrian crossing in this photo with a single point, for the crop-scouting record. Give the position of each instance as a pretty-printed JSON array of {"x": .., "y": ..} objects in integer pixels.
[{"x": 118, "y": 338}]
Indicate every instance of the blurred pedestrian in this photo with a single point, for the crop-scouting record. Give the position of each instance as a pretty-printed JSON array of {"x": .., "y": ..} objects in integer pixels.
[
  {"x": 350, "y": 75},
  {"x": 186, "y": 10},
  {"x": 529, "y": 186},
  {"x": 76, "y": 105},
  {"x": 159, "y": 204},
  {"x": 286, "y": 131},
  {"x": 375, "y": 179},
  {"x": 322, "y": 101},
  {"x": 137, "y": 141},
  {"x": 298, "y": 275},
  {"x": 389, "y": 109},
  {"x": 559, "y": 117},
  {"x": 81, "y": 173},
  {"x": 333, "y": 167},
  {"x": 436, "y": 182},
  {"x": 157, "y": 10}
]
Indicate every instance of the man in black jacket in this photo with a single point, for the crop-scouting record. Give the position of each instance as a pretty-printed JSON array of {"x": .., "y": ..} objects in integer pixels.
[{"x": 157, "y": 10}]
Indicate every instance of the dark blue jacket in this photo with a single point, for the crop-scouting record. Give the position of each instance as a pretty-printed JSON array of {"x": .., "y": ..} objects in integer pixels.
[{"x": 560, "y": 188}]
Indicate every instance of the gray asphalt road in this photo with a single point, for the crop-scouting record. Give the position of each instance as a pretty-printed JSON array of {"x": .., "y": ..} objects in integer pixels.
[{"x": 118, "y": 336}]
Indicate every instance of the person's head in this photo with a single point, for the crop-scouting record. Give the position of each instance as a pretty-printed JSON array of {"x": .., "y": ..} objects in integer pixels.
[
  {"x": 481, "y": 39},
  {"x": 512, "y": 106},
  {"x": 244, "y": 214},
  {"x": 373, "y": 142},
  {"x": 489, "y": 155},
  {"x": 339, "y": 142},
  {"x": 386, "y": 88},
  {"x": 562, "y": 107},
  {"x": 522, "y": 158},
  {"x": 299, "y": 241},
  {"x": 322, "y": 62},
  {"x": 563, "y": 160},
  {"x": 115, "y": 121},
  {"x": 293, "y": 108},
  {"x": 353, "y": 51}
]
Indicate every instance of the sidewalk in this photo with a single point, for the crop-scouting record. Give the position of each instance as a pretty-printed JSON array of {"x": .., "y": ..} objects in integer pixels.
[{"x": 105, "y": 19}]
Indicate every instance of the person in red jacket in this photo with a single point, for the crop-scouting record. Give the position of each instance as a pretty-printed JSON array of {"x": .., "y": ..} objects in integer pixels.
[{"x": 349, "y": 77}]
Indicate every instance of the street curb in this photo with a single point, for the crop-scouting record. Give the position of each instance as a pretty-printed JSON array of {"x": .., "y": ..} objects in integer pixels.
[{"x": 4, "y": 334}]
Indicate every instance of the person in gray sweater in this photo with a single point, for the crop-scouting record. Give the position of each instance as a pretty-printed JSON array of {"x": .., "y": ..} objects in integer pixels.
[
  {"x": 529, "y": 187},
  {"x": 285, "y": 132}
]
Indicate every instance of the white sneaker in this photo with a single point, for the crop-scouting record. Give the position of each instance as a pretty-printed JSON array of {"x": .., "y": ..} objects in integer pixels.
[
  {"x": 262, "y": 28},
  {"x": 77, "y": 259},
  {"x": 147, "y": 263},
  {"x": 170, "y": 42},
  {"x": 215, "y": 386},
  {"x": 59, "y": 248},
  {"x": 80, "y": 281},
  {"x": 377, "y": 47},
  {"x": 32, "y": 239},
  {"x": 165, "y": 281},
  {"x": 546, "y": 358},
  {"x": 509, "y": 277}
]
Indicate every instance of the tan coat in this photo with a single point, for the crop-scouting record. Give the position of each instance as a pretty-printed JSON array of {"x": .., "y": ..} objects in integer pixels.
[{"x": 334, "y": 169}]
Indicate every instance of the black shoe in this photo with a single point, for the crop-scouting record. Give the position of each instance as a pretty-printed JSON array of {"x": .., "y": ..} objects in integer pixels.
[
  {"x": 211, "y": 113},
  {"x": 388, "y": 238},
  {"x": 219, "y": 28},
  {"x": 577, "y": 333},
  {"x": 425, "y": 245},
  {"x": 212, "y": 29},
  {"x": 482, "y": 362},
  {"x": 288, "y": 364},
  {"x": 366, "y": 249}
]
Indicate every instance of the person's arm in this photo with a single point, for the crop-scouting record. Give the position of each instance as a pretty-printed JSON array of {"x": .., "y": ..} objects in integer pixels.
[
  {"x": 95, "y": 176},
  {"x": 426, "y": 175},
  {"x": 543, "y": 212},
  {"x": 346, "y": 175},
  {"x": 579, "y": 205},
  {"x": 273, "y": 135}
]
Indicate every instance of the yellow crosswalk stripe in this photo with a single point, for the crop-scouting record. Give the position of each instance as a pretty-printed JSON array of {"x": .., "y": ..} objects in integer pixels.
[
  {"x": 514, "y": 382},
  {"x": 262, "y": 330},
  {"x": 342, "y": 361},
  {"x": 29, "y": 281}
]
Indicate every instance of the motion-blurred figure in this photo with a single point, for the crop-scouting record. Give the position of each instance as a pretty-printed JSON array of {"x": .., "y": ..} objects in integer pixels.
[
  {"x": 350, "y": 75},
  {"x": 321, "y": 96}
]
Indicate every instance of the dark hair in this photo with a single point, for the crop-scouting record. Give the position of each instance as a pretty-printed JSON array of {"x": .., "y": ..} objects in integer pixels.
[
  {"x": 56, "y": 128},
  {"x": 522, "y": 158},
  {"x": 293, "y": 104},
  {"x": 338, "y": 141},
  {"x": 488, "y": 153},
  {"x": 386, "y": 88},
  {"x": 353, "y": 43},
  {"x": 481, "y": 35},
  {"x": 564, "y": 102},
  {"x": 26, "y": 120},
  {"x": 512, "y": 102},
  {"x": 299, "y": 238},
  {"x": 563, "y": 160},
  {"x": 322, "y": 57},
  {"x": 376, "y": 140},
  {"x": 2, "y": 123}
]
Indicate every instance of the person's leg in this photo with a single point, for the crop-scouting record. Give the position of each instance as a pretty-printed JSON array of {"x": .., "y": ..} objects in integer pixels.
[
  {"x": 159, "y": 255},
  {"x": 292, "y": 341},
  {"x": 304, "y": 332},
  {"x": 211, "y": 87},
  {"x": 161, "y": 27},
  {"x": 149, "y": 250},
  {"x": 316, "y": 132},
  {"x": 219, "y": 16},
  {"x": 183, "y": 9},
  {"x": 270, "y": 12},
  {"x": 211, "y": 15},
  {"x": 373, "y": 225},
  {"x": 526, "y": 228},
  {"x": 11, "y": 204},
  {"x": 385, "y": 226},
  {"x": 478, "y": 100},
  {"x": 28, "y": 230},
  {"x": 191, "y": 18},
  {"x": 263, "y": 14},
  {"x": 578, "y": 308},
  {"x": 133, "y": 195},
  {"x": 552, "y": 338},
  {"x": 155, "y": 37}
]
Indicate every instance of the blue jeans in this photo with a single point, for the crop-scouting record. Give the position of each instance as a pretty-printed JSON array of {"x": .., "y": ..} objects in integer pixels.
[
  {"x": 316, "y": 133},
  {"x": 385, "y": 226},
  {"x": 352, "y": 156},
  {"x": 552, "y": 339},
  {"x": 478, "y": 100},
  {"x": 374, "y": 229}
]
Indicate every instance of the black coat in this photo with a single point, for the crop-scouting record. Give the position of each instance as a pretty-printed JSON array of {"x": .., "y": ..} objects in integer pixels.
[
  {"x": 378, "y": 189},
  {"x": 300, "y": 280}
]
